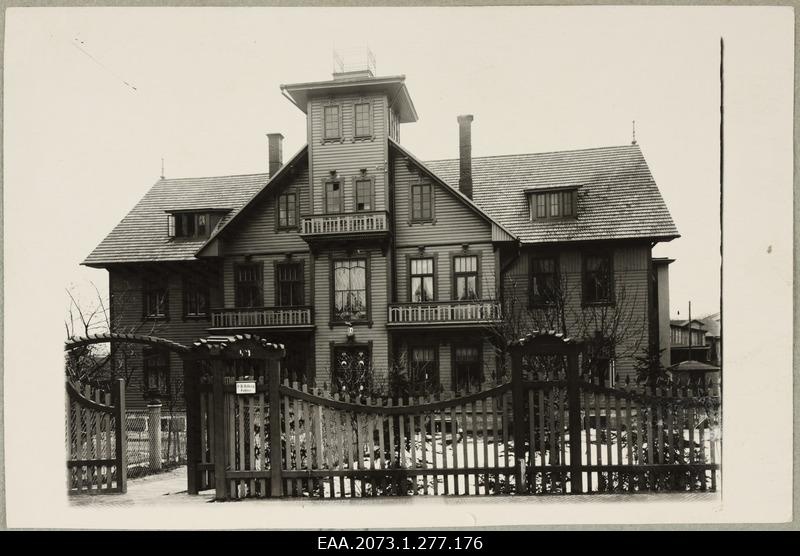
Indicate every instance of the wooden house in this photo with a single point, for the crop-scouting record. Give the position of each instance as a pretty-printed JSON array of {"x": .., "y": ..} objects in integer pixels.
[{"x": 359, "y": 256}]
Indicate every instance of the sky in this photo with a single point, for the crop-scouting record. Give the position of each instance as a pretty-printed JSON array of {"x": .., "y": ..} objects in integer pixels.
[{"x": 100, "y": 96}]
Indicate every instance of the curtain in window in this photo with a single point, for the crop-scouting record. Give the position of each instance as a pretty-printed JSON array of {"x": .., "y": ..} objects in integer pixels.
[
  {"x": 466, "y": 277},
  {"x": 350, "y": 289},
  {"x": 421, "y": 280}
]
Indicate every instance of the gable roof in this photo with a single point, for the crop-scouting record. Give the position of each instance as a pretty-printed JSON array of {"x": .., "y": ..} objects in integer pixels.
[
  {"x": 142, "y": 235},
  {"x": 499, "y": 232},
  {"x": 617, "y": 195}
]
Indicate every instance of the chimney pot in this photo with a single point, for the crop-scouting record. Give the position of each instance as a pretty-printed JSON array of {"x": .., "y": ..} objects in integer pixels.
[
  {"x": 465, "y": 154},
  {"x": 275, "y": 153}
]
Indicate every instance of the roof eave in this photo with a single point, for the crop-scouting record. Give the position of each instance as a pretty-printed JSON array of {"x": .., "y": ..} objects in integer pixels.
[{"x": 274, "y": 179}]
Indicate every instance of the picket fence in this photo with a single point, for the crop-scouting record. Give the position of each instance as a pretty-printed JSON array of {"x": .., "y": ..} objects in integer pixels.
[
  {"x": 95, "y": 439},
  {"x": 538, "y": 433}
]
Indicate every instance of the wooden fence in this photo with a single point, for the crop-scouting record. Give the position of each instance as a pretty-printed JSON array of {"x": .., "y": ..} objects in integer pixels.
[
  {"x": 96, "y": 451},
  {"x": 557, "y": 432}
]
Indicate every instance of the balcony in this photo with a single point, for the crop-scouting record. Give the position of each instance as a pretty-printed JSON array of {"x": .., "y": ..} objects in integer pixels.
[
  {"x": 263, "y": 317},
  {"x": 345, "y": 226},
  {"x": 445, "y": 313}
]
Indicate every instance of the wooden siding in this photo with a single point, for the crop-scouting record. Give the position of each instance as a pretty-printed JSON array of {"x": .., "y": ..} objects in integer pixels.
[
  {"x": 630, "y": 262},
  {"x": 126, "y": 288},
  {"x": 267, "y": 262},
  {"x": 258, "y": 233},
  {"x": 348, "y": 156},
  {"x": 451, "y": 217},
  {"x": 444, "y": 346},
  {"x": 378, "y": 300},
  {"x": 443, "y": 279}
]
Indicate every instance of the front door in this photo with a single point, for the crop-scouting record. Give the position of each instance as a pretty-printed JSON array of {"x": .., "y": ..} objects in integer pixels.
[{"x": 352, "y": 368}]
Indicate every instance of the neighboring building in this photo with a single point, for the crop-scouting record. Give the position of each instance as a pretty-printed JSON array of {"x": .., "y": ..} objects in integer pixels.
[
  {"x": 713, "y": 325},
  {"x": 354, "y": 252},
  {"x": 685, "y": 347}
]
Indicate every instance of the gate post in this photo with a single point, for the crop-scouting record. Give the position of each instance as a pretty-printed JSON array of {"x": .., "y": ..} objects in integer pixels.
[
  {"x": 120, "y": 435},
  {"x": 154, "y": 434},
  {"x": 518, "y": 411},
  {"x": 190, "y": 380},
  {"x": 275, "y": 459},
  {"x": 574, "y": 401},
  {"x": 219, "y": 430}
]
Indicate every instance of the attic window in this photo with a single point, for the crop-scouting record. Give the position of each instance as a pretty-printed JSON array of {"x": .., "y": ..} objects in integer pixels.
[
  {"x": 553, "y": 205},
  {"x": 192, "y": 225}
]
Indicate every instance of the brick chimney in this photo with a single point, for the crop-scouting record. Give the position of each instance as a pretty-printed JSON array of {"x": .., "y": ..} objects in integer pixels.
[
  {"x": 275, "y": 152},
  {"x": 465, "y": 154}
]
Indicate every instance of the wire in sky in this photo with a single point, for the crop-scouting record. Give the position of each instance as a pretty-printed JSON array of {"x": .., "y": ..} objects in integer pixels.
[{"x": 77, "y": 43}]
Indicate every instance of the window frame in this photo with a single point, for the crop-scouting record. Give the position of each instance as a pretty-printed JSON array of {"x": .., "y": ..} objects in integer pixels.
[
  {"x": 300, "y": 282},
  {"x": 193, "y": 285},
  {"x": 152, "y": 284},
  {"x": 607, "y": 254},
  {"x": 370, "y": 119},
  {"x": 434, "y": 382},
  {"x": 414, "y": 218},
  {"x": 532, "y": 301},
  {"x": 351, "y": 346},
  {"x": 340, "y": 127},
  {"x": 259, "y": 283},
  {"x": 454, "y": 275},
  {"x": 367, "y": 319},
  {"x": 371, "y": 191},
  {"x": 164, "y": 389},
  {"x": 178, "y": 221},
  {"x": 544, "y": 200},
  {"x": 295, "y": 214},
  {"x": 409, "y": 260},
  {"x": 325, "y": 194},
  {"x": 478, "y": 346}
]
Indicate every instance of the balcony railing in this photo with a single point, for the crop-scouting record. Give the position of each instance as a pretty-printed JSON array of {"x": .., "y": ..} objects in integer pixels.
[
  {"x": 345, "y": 223},
  {"x": 445, "y": 312},
  {"x": 262, "y": 317}
]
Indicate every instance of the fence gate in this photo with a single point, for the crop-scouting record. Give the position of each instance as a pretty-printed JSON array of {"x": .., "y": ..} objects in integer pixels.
[
  {"x": 96, "y": 453},
  {"x": 548, "y": 430}
]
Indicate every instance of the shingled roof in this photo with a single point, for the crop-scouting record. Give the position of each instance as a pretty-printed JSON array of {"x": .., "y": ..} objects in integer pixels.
[
  {"x": 617, "y": 196},
  {"x": 142, "y": 235}
]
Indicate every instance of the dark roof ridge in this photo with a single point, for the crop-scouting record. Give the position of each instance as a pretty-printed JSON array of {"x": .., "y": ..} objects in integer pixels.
[
  {"x": 536, "y": 153},
  {"x": 184, "y": 178}
]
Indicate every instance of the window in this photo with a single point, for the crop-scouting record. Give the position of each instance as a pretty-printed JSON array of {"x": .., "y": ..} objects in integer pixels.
[
  {"x": 350, "y": 289},
  {"x": 465, "y": 277},
  {"x": 421, "y": 202},
  {"x": 421, "y": 279},
  {"x": 363, "y": 120},
  {"x": 544, "y": 281},
  {"x": 599, "y": 359},
  {"x": 332, "y": 123},
  {"x": 287, "y": 210},
  {"x": 423, "y": 368},
  {"x": 192, "y": 225},
  {"x": 556, "y": 204},
  {"x": 155, "y": 298},
  {"x": 597, "y": 279},
  {"x": 364, "y": 194},
  {"x": 155, "y": 364},
  {"x": 467, "y": 372},
  {"x": 288, "y": 284},
  {"x": 195, "y": 298},
  {"x": 333, "y": 197},
  {"x": 248, "y": 285}
]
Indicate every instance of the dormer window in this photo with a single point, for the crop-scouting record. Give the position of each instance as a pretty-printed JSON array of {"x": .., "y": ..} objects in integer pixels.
[
  {"x": 192, "y": 224},
  {"x": 553, "y": 204}
]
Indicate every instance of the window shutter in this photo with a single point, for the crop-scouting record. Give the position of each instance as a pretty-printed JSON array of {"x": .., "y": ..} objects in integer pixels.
[
  {"x": 261, "y": 284},
  {"x": 171, "y": 225},
  {"x": 166, "y": 298}
]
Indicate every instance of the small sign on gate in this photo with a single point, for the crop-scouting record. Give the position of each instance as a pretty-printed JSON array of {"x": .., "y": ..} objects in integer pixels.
[{"x": 245, "y": 387}]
